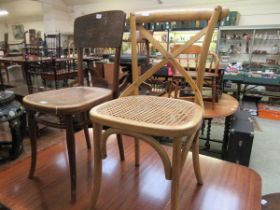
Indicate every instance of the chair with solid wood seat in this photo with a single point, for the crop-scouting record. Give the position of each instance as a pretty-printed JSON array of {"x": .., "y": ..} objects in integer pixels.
[
  {"x": 144, "y": 117},
  {"x": 104, "y": 29}
]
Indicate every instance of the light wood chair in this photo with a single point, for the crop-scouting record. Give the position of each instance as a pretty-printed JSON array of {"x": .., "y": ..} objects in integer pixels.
[
  {"x": 189, "y": 59},
  {"x": 144, "y": 117},
  {"x": 104, "y": 29}
]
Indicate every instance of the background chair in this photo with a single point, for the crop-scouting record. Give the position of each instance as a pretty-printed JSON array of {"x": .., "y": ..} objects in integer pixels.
[
  {"x": 189, "y": 59},
  {"x": 89, "y": 32},
  {"x": 144, "y": 117}
]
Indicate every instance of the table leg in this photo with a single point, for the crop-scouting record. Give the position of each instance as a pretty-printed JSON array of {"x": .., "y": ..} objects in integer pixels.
[
  {"x": 207, "y": 143},
  {"x": 238, "y": 91},
  {"x": 27, "y": 76},
  {"x": 203, "y": 127},
  {"x": 226, "y": 134}
]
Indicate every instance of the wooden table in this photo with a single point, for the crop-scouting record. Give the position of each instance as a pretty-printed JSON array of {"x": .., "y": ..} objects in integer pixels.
[
  {"x": 227, "y": 186},
  {"x": 226, "y": 107},
  {"x": 25, "y": 63}
]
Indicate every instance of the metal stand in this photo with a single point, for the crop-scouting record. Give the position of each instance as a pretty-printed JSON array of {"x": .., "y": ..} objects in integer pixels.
[{"x": 12, "y": 112}]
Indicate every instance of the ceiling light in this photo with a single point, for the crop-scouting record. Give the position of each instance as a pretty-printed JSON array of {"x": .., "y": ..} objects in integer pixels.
[{"x": 3, "y": 12}]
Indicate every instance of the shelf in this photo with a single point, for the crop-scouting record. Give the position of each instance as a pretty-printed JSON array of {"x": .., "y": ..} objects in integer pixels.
[
  {"x": 233, "y": 54},
  {"x": 270, "y": 54},
  {"x": 266, "y": 39},
  {"x": 261, "y": 45},
  {"x": 231, "y": 40}
]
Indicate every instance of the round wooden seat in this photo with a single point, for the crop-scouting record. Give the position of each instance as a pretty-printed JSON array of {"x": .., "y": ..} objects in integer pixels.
[{"x": 149, "y": 115}]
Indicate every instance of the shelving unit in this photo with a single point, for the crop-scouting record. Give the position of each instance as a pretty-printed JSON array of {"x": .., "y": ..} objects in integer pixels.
[
  {"x": 254, "y": 46},
  {"x": 254, "y": 53}
]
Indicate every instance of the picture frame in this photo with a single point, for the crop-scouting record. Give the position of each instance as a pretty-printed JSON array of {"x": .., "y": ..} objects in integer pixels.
[{"x": 18, "y": 31}]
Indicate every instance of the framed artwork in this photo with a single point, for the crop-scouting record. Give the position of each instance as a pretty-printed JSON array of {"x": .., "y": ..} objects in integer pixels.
[{"x": 18, "y": 31}]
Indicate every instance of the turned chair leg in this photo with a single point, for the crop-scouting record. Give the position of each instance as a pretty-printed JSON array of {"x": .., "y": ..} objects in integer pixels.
[{"x": 97, "y": 175}]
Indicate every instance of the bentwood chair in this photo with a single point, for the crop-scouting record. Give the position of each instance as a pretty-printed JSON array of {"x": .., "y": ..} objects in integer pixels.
[
  {"x": 189, "y": 59},
  {"x": 104, "y": 29},
  {"x": 144, "y": 117}
]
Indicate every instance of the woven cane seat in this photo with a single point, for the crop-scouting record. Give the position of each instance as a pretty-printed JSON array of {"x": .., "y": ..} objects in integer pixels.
[{"x": 153, "y": 115}]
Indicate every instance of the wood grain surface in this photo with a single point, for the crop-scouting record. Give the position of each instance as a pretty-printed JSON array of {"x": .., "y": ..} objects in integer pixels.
[{"x": 227, "y": 186}]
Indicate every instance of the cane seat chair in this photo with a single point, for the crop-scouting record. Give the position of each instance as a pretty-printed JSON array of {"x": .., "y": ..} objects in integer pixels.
[
  {"x": 189, "y": 59},
  {"x": 104, "y": 29},
  {"x": 144, "y": 117}
]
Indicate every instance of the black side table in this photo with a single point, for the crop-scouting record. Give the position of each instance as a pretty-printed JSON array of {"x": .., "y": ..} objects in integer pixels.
[{"x": 12, "y": 111}]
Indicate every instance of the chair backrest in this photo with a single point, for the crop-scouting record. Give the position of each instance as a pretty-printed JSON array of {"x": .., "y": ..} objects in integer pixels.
[
  {"x": 189, "y": 58},
  {"x": 52, "y": 44},
  {"x": 136, "y": 23},
  {"x": 100, "y": 30}
]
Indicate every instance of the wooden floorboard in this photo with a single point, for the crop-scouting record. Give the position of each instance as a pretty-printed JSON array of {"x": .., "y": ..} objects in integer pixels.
[{"x": 226, "y": 186}]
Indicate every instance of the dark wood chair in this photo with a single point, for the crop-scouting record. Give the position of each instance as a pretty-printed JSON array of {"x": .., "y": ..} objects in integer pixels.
[{"x": 104, "y": 29}]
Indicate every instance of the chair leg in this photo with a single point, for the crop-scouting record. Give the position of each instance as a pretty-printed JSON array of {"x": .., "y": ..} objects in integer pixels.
[
  {"x": 137, "y": 152},
  {"x": 87, "y": 136},
  {"x": 120, "y": 145},
  {"x": 97, "y": 166},
  {"x": 70, "y": 139},
  {"x": 33, "y": 140},
  {"x": 176, "y": 172},
  {"x": 195, "y": 157},
  {"x": 84, "y": 119}
]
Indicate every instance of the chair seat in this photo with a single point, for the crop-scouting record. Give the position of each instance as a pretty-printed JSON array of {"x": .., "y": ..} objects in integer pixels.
[
  {"x": 67, "y": 100},
  {"x": 149, "y": 115}
]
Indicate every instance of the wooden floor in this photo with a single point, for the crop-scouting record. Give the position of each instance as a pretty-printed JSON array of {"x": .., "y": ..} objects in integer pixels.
[{"x": 226, "y": 186}]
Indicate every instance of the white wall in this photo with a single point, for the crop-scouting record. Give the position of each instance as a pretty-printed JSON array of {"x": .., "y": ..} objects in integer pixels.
[
  {"x": 34, "y": 23},
  {"x": 58, "y": 17},
  {"x": 253, "y": 12}
]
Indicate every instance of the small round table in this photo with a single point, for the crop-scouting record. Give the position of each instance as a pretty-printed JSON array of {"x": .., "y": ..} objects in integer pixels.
[
  {"x": 271, "y": 201},
  {"x": 226, "y": 107}
]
